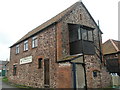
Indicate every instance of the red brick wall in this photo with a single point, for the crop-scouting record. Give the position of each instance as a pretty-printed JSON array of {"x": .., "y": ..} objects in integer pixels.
[{"x": 64, "y": 79}]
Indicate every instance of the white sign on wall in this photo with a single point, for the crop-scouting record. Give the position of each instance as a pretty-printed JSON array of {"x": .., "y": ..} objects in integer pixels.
[{"x": 26, "y": 60}]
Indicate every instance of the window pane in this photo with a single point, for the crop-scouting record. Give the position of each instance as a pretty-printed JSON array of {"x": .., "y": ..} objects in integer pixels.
[
  {"x": 84, "y": 34},
  {"x": 34, "y": 42},
  {"x": 17, "y": 49},
  {"x": 94, "y": 73},
  {"x": 73, "y": 35},
  {"x": 90, "y": 37},
  {"x": 79, "y": 34},
  {"x": 25, "y": 45}
]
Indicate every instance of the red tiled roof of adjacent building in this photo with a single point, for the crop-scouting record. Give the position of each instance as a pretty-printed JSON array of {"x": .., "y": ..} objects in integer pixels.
[{"x": 111, "y": 46}]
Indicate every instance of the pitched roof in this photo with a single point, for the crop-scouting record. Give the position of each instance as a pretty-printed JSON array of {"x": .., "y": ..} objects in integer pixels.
[
  {"x": 111, "y": 46},
  {"x": 48, "y": 23},
  {"x": 55, "y": 19}
]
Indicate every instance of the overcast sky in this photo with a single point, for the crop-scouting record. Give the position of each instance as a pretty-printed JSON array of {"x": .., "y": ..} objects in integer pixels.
[{"x": 17, "y": 17}]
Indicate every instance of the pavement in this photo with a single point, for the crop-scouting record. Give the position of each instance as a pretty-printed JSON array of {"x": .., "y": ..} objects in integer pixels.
[{"x": 4, "y": 86}]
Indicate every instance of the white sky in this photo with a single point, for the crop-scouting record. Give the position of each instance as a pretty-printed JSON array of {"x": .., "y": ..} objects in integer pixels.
[{"x": 17, "y": 17}]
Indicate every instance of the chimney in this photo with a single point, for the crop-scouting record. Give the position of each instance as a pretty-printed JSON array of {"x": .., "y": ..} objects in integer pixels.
[{"x": 80, "y": 1}]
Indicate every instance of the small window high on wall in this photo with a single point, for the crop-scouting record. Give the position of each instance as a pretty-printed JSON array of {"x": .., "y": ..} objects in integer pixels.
[{"x": 81, "y": 39}]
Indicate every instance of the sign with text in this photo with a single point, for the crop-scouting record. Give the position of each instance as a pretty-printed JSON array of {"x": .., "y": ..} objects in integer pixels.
[{"x": 26, "y": 60}]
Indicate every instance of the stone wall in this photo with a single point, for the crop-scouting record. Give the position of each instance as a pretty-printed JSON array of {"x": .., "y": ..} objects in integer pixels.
[
  {"x": 53, "y": 43},
  {"x": 29, "y": 74},
  {"x": 93, "y": 62},
  {"x": 65, "y": 78},
  {"x": 103, "y": 79},
  {"x": 76, "y": 16},
  {"x": 106, "y": 77}
]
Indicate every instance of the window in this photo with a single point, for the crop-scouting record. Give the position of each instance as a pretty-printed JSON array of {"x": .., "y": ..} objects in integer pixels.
[
  {"x": 84, "y": 34},
  {"x": 39, "y": 63},
  {"x": 34, "y": 42},
  {"x": 14, "y": 70},
  {"x": 94, "y": 73},
  {"x": 26, "y": 45},
  {"x": 81, "y": 39},
  {"x": 73, "y": 33},
  {"x": 80, "y": 16},
  {"x": 90, "y": 38},
  {"x": 17, "y": 49},
  {"x": 80, "y": 32}
]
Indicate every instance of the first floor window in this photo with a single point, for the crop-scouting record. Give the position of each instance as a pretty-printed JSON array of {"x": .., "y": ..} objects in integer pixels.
[
  {"x": 17, "y": 49},
  {"x": 81, "y": 39},
  {"x": 80, "y": 32},
  {"x": 34, "y": 42},
  {"x": 14, "y": 70},
  {"x": 26, "y": 45}
]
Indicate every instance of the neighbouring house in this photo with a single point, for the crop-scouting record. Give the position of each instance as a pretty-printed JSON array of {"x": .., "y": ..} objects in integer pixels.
[
  {"x": 3, "y": 69},
  {"x": 64, "y": 52},
  {"x": 111, "y": 51}
]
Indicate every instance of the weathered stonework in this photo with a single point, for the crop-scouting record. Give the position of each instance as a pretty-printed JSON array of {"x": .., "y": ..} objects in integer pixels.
[{"x": 53, "y": 44}]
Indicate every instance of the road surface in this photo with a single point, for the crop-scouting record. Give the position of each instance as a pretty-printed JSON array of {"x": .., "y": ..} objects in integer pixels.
[{"x": 4, "y": 85}]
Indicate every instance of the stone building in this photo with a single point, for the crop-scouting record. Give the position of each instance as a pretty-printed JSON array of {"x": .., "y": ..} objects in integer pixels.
[{"x": 64, "y": 52}]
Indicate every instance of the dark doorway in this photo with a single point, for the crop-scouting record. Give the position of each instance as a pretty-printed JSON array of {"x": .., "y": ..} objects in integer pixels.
[{"x": 46, "y": 73}]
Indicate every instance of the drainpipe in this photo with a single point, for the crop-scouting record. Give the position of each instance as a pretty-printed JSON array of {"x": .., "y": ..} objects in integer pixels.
[
  {"x": 74, "y": 75},
  {"x": 101, "y": 55}
]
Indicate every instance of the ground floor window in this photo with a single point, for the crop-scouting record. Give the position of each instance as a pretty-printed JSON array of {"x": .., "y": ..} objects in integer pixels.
[
  {"x": 14, "y": 70},
  {"x": 39, "y": 63}
]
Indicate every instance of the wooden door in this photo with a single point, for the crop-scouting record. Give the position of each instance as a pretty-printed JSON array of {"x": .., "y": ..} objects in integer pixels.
[
  {"x": 80, "y": 76},
  {"x": 46, "y": 73}
]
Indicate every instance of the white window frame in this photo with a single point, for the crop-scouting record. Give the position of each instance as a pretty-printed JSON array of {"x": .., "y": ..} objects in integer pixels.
[
  {"x": 34, "y": 42},
  {"x": 26, "y": 45},
  {"x": 17, "y": 49}
]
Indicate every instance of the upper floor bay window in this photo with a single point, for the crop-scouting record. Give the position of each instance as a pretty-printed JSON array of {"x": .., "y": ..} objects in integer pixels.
[
  {"x": 17, "y": 49},
  {"x": 26, "y": 45},
  {"x": 34, "y": 42},
  {"x": 81, "y": 39}
]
